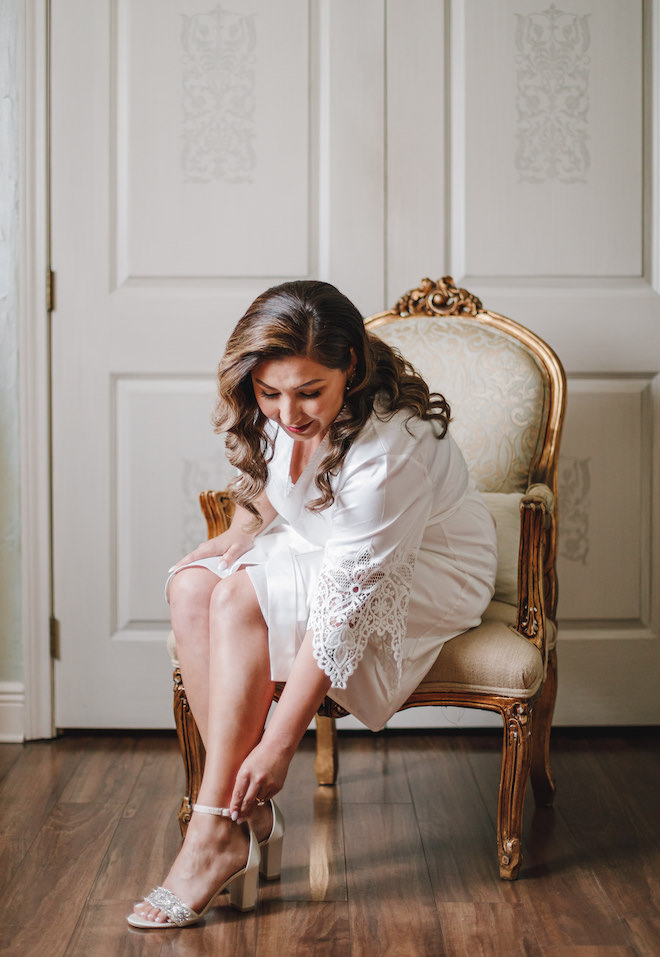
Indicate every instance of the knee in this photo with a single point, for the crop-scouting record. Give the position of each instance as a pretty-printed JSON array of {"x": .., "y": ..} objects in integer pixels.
[
  {"x": 189, "y": 591},
  {"x": 234, "y": 600}
]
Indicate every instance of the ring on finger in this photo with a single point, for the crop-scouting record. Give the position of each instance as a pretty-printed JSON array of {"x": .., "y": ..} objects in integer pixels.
[{"x": 260, "y": 802}]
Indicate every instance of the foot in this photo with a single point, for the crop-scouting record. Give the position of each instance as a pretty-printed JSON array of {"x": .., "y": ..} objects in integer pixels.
[{"x": 214, "y": 848}]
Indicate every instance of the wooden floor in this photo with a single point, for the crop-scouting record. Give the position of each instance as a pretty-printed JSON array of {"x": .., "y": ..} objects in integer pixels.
[{"x": 398, "y": 860}]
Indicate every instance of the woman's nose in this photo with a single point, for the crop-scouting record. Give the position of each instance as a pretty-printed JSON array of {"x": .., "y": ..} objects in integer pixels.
[{"x": 289, "y": 410}]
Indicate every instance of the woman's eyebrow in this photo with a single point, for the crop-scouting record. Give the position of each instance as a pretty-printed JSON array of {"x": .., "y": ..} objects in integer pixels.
[{"x": 303, "y": 386}]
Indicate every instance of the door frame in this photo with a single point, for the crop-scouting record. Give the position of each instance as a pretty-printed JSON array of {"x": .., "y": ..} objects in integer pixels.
[{"x": 34, "y": 372}]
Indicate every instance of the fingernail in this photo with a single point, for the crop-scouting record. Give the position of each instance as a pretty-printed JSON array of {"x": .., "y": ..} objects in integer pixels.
[
  {"x": 222, "y": 563},
  {"x": 234, "y": 816}
]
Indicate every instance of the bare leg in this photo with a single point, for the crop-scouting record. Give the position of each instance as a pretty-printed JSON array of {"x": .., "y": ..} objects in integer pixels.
[
  {"x": 190, "y": 596},
  {"x": 236, "y": 695}
]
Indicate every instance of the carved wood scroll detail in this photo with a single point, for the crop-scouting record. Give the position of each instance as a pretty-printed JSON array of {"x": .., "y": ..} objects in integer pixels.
[
  {"x": 516, "y": 766},
  {"x": 439, "y": 298}
]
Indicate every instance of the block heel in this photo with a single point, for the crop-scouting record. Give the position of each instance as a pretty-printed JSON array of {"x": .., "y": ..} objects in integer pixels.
[{"x": 271, "y": 849}]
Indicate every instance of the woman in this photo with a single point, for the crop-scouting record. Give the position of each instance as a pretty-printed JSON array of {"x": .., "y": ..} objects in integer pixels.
[{"x": 386, "y": 552}]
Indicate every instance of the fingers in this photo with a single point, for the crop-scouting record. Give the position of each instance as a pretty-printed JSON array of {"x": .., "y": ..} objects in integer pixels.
[
  {"x": 228, "y": 558},
  {"x": 244, "y": 801},
  {"x": 206, "y": 550},
  {"x": 250, "y": 791}
]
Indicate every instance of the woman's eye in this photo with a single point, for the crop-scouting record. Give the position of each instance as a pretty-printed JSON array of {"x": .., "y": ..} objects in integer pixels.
[
  {"x": 310, "y": 395},
  {"x": 269, "y": 395}
]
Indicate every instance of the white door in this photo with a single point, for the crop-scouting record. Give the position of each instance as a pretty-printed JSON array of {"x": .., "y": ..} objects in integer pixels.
[
  {"x": 185, "y": 180},
  {"x": 201, "y": 153}
]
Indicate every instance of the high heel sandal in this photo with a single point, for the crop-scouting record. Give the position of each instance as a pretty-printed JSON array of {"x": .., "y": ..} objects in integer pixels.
[
  {"x": 242, "y": 887},
  {"x": 271, "y": 848}
]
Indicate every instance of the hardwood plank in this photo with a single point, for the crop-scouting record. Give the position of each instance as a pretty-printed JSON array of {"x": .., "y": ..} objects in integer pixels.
[
  {"x": 614, "y": 823},
  {"x": 49, "y": 889},
  {"x": 304, "y": 930},
  {"x": 458, "y": 832},
  {"x": 486, "y": 929},
  {"x": 28, "y": 793},
  {"x": 372, "y": 768},
  {"x": 103, "y": 931},
  {"x": 587, "y": 950},
  {"x": 111, "y": 766},
  {"x": 644, "y": 936},
  {"x": 313, "y": 854},
  {"x": 567, "y": 905},
  {"x": 9, "y": 755},
  {"x": 360, "y": 878},
  {"x": 391, "y": 906},
  {"x": 631, "y": 758},
  {"x": 147, "y": 837}
]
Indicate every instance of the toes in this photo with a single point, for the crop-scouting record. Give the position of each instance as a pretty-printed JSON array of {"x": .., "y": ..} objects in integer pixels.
[{"x": 150, "y": 913}]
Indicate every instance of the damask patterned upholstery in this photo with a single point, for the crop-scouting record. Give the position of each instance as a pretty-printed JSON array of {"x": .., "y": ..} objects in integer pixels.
[{"x": 493, "y": 385}]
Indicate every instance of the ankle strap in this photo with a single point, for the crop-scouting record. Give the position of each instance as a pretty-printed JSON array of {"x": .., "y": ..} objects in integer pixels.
[{"x": 218, "y": 811}]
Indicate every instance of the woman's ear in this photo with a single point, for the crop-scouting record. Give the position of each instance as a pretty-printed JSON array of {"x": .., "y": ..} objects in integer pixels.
[{"x": 353, "y": 365}]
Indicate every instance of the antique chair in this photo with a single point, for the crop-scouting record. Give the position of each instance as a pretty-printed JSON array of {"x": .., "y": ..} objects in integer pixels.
[{"x": 506, "y": 389}]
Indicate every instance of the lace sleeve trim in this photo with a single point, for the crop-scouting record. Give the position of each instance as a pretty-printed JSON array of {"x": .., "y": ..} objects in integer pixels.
[{"x": 359, "y": 600}]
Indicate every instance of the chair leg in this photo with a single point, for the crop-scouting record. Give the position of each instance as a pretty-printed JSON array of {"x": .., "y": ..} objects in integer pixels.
[
  {"x": 516, "y": 763},
  {"x": 543, "y": 783},
  {"x": 192, "y": 750},
  {"x": 326, "y": 763}
]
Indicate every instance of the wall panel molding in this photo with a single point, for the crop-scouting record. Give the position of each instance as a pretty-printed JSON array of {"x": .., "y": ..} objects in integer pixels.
[
  {"x": 164, "y": 453},
  {"x": 608, "y": 484},
  {"x": 212, "y": 142},
  {"x": 550, "y": 204}
]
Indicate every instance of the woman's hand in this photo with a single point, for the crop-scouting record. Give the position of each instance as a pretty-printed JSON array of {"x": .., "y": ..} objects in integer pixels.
[
  {"x": 228, "y": 546},
  {"x": 260, "y": 777},
  {"x": 236, "y": 540}
]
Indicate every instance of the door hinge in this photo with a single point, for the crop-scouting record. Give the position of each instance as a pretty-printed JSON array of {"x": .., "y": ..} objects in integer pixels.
[
  {"x": 55, "y": 638},
  {"x": 50, "y": 291}
]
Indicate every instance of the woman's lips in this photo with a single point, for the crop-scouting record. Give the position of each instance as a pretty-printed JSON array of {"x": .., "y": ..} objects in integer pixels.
[{"x": 298, "y": 428}]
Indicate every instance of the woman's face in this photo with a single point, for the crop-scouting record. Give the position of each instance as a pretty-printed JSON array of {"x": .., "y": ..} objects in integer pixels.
[{"x": 299, "y": 394}]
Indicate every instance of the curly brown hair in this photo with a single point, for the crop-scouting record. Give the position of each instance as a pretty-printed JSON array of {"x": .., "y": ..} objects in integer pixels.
[{"x": 312, "y": 319}]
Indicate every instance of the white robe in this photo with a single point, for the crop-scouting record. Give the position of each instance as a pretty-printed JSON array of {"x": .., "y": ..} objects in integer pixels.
[{"x": 402, "y": 561}]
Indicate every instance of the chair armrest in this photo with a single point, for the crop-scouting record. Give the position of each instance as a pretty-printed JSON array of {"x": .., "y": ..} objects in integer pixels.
[
  {"x": 539, "y": 492},
  {"x": 218, "y": 509},
  {"x": 534, "y": 517}
]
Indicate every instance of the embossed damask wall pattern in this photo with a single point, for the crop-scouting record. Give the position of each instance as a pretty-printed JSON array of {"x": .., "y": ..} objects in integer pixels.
[
  {"x": 218, "y": 96},
  {"x": 574, "y": 485},
  {"x": 553, "y": 96},
  {"x": 206, "y": 472}
]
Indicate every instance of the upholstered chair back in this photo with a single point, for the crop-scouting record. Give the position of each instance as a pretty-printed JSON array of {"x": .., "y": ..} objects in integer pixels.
[
  {"x": 494, "y": 386},
  {"x": 506, "y": 392}
]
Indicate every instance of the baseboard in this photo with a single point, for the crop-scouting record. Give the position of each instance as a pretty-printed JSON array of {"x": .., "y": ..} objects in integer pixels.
[{"x": 12, "y": 712}]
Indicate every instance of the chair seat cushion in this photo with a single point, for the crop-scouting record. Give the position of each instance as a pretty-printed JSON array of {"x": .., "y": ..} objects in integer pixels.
[
  {"x": 171, "y": 649},
  {"x": 491, "y": 659},
  {"x": 508, "y": 613},
  {"x": 505, "y": 509}
]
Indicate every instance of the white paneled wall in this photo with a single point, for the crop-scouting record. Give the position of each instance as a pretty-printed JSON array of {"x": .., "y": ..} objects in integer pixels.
[{"x": 204, "y": 150}]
